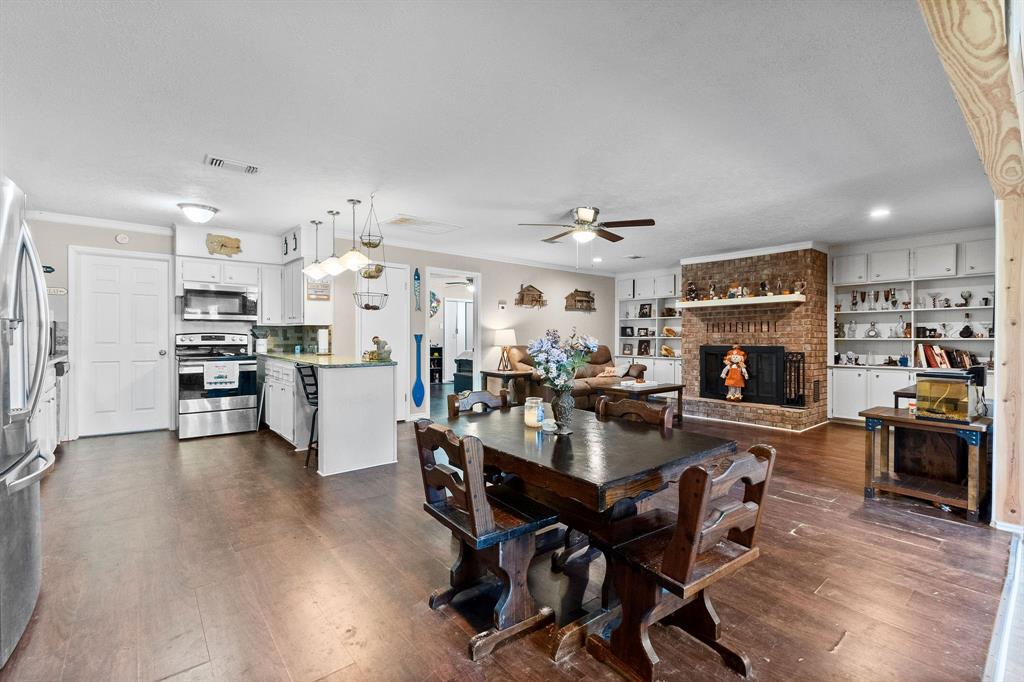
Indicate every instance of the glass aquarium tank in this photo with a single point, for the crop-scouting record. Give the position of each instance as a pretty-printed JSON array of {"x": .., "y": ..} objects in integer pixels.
[{"x": 946, "y": 398}]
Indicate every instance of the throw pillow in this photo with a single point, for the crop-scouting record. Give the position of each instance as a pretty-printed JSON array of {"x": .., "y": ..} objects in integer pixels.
[
  {"x": 610, "y": 372},
  {"x": 620, "y": 370}
]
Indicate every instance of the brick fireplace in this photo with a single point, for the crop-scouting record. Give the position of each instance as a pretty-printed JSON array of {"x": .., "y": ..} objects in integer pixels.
[{"x": 797, "y": 328}]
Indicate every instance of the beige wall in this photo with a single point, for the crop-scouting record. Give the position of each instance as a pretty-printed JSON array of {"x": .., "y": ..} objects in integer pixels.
[
  {"x": 53, "y": 239},
  {"x": 499, "y": 281}
]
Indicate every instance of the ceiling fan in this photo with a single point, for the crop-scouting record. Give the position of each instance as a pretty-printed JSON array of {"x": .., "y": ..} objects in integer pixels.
[
  {"x": 462, "y": 282},
  {"x": 585, "y": 226}
]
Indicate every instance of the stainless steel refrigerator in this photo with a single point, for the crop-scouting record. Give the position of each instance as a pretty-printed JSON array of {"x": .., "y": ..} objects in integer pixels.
[{"x": 24, "y": 340}]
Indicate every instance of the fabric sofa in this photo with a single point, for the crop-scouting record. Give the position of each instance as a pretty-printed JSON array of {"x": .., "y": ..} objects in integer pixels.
[{"x": 587, "y": 384}]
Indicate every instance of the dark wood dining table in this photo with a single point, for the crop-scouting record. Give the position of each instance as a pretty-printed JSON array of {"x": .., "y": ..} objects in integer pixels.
[{"x": 592, "y": 477}]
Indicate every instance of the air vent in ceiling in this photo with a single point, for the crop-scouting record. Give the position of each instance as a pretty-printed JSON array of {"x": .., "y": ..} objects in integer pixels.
[
  {"x": 411, "y": 223},
  {"x": 633, "y": 257},
  {"x": 232, "y": 164}
]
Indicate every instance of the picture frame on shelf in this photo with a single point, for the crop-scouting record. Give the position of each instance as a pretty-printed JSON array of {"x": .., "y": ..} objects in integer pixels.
[
  {"x": 627, "y": 349},
  {"x": 626, "y": 331},
  {"x": 645, "y": 311},
  {"x": 643, "y": 348},
  {"x": 643, "y": 331}
]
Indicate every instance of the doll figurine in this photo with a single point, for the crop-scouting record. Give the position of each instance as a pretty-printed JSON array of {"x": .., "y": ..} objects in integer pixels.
[{"x": 735, "y": 373}]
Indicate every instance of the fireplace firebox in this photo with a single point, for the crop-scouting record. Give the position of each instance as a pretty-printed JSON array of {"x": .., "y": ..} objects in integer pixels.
[{"x": 776, "y": 377}]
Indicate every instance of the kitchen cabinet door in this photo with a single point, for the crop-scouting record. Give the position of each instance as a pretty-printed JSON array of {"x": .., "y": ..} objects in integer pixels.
[
  {"x": 287, "y": 412},
  {"x": 245, "y": 274},
  {"x": 882, "y": 383},
  {"x": 271, "y": 295},
  {"x": 200, "y": 270},
  {"x": 938, "y": 260},
  {"x": 291, "y": 303},
  {"x": 269, "y": 401},
  {"x": 624, "y": 289},
  {"x": 665, "y": 286},
  {"x": 848, "y": 388},
  {"x": 850, "y": 269},
  {"x": 643, "y": 287},
  {"x": 980, "y": 257},
  {"x": 885, "y": 266}
]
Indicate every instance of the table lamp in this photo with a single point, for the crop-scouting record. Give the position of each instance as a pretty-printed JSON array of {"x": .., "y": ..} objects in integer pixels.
[{"x": 505, "y": 338}]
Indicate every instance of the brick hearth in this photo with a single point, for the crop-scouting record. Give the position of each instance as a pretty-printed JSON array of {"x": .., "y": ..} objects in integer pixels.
[{"x": 800, "y": 328}]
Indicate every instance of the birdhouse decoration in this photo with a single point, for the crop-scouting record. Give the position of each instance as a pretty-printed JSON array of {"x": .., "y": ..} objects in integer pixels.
[
  {"x": 578, "y": 299},
  {"x": 530, "y": 296}
]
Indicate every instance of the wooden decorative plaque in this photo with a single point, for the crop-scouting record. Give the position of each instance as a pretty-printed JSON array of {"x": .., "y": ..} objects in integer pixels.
[{"x": 222, "y": 245}]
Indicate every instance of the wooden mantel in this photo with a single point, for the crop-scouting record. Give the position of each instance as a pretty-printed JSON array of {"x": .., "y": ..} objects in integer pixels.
[
  {"x": 984, "y": 70},
  {"x": 744, "y": 300}
]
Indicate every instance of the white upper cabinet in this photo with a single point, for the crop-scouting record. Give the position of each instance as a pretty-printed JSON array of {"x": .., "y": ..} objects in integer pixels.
[
  {"x": 885, "y": 266},
  {"x": 852, "y": 269},
  {"x": 980, "y": 257},
  {"x": 623, "y": 289},
  {"x": 665, "y": 286},
  {"x": 247, "y": 274},
  {"x": 199, "y": 270},
  {"x": 938, "y": 260},
  {"x": 643, "y": 287},
  {"x": 271, "y": 296}
]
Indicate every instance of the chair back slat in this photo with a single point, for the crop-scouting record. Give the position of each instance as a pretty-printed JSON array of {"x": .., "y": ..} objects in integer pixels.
[
  {"x": 310, "y": 387},
  {"x": 706, "y": 516},
  {"x": 467, "y": 400},
  {"x": 636, "y": 410},
  {"x": 468, "y": 491}
]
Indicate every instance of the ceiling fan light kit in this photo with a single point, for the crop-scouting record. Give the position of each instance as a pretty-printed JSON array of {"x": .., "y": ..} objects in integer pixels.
[
  {"x": 583, "y": 236},
  {"x": 585, "y": 228}
]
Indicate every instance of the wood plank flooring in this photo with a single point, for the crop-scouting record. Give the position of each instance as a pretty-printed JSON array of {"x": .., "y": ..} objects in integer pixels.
[{"x": 223, "y": 559}]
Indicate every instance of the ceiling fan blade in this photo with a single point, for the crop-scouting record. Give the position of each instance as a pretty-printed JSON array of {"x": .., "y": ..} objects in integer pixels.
[
  {"x": 552, "y": 240},
  {"x": 605, "y": 234},
  {"x": 646, "y": 222},
  {"x": 543, "y": 225}
]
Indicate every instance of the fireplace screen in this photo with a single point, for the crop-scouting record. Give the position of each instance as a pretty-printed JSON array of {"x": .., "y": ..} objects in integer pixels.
[{"x": 776, "y": 377}]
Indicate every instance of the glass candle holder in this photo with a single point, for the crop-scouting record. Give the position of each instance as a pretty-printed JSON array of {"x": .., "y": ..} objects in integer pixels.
[{"x": 533, "y": 412}]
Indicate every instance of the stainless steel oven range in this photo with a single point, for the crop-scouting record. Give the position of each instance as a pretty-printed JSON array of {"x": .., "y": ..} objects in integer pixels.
[{"x": 216, "y": 384}]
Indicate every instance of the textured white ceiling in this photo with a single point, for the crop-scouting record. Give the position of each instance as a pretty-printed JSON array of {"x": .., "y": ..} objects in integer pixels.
[{"x": 733, "y": 124}]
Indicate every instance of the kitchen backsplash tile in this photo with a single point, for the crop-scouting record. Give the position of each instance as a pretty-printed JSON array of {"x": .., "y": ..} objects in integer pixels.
[{"x": 286, "y": 338}]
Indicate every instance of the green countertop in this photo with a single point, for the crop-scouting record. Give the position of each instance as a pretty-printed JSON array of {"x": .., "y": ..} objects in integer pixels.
[{"x": 324, "y": 361}]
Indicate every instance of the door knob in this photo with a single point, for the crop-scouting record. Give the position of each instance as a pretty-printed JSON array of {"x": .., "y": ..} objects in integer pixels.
[{"x": 163, "y": 353}]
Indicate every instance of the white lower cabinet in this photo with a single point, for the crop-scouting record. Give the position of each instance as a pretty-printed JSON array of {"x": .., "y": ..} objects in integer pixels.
[
  {"x": 285, "y": 408},
  {"x": 661, "y": 370},
  {"x": 853, "y": 389}
]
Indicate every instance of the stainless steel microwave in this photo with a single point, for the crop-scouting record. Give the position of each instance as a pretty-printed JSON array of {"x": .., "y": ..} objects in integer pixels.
[{"x": 220, "y": 302}]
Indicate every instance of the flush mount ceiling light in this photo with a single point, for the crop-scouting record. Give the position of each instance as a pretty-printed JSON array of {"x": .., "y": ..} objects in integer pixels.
[
  {"x": 879, "y": 213},
  {"x": 315, "y": 270},
  {"x": 583, "y": 235},
  {"x": 198, "y": 213}
]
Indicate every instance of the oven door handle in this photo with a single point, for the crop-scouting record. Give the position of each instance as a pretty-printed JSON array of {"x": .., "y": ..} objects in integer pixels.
[{"x": 197, "y": 368}]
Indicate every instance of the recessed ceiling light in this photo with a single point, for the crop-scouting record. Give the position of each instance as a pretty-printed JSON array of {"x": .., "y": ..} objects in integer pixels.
[
  {"x": 198, "y": 213},
  {"x": 598, "y": 259},
  {"x": 880, "y": 212}
]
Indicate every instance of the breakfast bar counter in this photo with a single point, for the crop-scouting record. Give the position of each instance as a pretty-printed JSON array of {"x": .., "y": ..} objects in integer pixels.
[{"x": 355, "y": 410}]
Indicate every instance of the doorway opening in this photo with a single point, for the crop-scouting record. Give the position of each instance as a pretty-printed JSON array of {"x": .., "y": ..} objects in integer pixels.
[{"x": 451, "y": 349}]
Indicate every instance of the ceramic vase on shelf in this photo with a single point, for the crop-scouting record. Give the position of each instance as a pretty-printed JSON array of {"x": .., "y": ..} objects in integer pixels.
[{"x": 562, "y": 405}]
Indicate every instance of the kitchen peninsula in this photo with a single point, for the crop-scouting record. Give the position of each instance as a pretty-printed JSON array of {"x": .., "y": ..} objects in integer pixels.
[{"x": 356, "y": 418}]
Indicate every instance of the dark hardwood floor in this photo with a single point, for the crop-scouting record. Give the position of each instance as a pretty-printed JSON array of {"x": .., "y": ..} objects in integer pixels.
[{"x": 223, "y": 559}]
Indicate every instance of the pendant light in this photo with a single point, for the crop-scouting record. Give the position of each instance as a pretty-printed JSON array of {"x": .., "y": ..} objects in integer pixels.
[
  {"x": 333, "y": 265},
  {"x": 354, "y": 258},
  {"x": 315, "y": 270}
]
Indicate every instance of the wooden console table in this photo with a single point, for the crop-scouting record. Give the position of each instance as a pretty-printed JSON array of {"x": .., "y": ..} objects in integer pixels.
[
  {"x": 880, "y": 470},
  {"x": 510, "y": 379}
]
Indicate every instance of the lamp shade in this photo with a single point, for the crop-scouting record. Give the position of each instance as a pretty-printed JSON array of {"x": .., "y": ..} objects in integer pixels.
[{"x": 504, "y": 337}]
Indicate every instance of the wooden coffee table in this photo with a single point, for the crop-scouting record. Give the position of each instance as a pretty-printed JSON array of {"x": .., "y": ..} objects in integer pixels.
[
  {"x": 510, "y": 380},
  {"x": 646, "y": 389}
]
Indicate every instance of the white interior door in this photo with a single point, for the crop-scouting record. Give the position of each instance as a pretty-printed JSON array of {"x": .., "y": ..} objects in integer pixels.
[
  {"x": 122, "y": 374},
  {"x": 458, "y": 332},
  {"x": 391, "y": 323}
]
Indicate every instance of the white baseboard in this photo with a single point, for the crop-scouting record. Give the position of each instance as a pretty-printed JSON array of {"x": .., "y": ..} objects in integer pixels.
[{"x": 998, "y": 649}]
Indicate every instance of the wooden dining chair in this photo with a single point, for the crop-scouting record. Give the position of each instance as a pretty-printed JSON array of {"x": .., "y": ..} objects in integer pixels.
[
  {"x": 467, "y": 400},
  {"x": 495, "y": 528},
  {"x": 662, "y": 568},
  {"x": 630, "y": 410},
  {"x": 636, "y": 410}
]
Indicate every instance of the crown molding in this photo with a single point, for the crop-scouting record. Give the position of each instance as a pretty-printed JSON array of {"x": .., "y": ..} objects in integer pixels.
[
  {"x": 763, "y": 251},
  {"x": 102, "y": 223}
]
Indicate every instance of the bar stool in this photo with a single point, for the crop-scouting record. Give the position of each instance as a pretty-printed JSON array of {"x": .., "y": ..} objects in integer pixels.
[{"x": 310, "y": 387}]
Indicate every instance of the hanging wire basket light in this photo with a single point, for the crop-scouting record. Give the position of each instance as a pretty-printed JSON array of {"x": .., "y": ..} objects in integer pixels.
[{"x": 371, "y": 237}]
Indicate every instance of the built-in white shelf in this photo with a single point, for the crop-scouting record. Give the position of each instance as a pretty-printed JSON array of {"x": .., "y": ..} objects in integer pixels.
[
  {"x": 865, "y": 338},
  {"x": 871, "y": 312},
  {"x": 747, "y": 300},
  {"x": 955, "y": 339},
  {"x": 954, "y": 308},
  {"x": 643, "y": 319}
]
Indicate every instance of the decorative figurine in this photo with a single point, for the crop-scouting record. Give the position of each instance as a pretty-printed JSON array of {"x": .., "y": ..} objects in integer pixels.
[
  {"x": 892, "y": 295},
  {"x": 872, "y": 332},
  {"x": 966, "y": 296},
  {"x": 763, "y": 286},
  {"x": 383, "y": 349},
  {"x": 851, "y": 330},
  {"x": 712, "y": 294},
  {"x": 853, "y": 300},
  {"x": 735, "y": 373},
  {"x": 906, "y": 305},
  {"x": 851, "y": 358},
  {"x": 735, "y": 291},
  {"x": 946, "y": 303},
  {"x": 799, "y": 286},
  {"x": 840, "y": 333},
  {"x": 691, "y": 291},
  {"x": 967, "y": 331},
  {"x": 839, "y": 307}
]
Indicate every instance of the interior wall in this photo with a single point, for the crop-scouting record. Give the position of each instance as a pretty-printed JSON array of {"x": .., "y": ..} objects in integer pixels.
[
  {"x": 500, "y": 282},
  {"x": 53, "y": 239}
]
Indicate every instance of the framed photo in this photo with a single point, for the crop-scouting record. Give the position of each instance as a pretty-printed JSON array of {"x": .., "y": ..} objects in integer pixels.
[
  {"x": 627, "y": 349},
  {"x": 626, "y": 331},
  {"x": 643, "y": 331},
  {"x": 645, "y": 310},
  {"x": 644, "y": 348}
]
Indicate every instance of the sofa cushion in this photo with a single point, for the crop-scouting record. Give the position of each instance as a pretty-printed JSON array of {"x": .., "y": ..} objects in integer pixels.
[{"x": 602, "y": 382}]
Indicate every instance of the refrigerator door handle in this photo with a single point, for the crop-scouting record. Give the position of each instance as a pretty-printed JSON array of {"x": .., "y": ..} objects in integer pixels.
[
  {"x": 42, "y": 322},
  {"x": 12, "y": 481}
]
